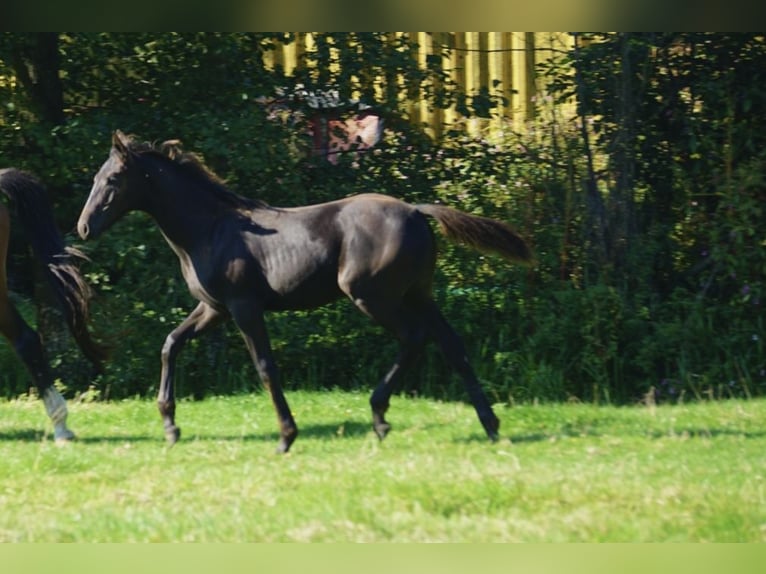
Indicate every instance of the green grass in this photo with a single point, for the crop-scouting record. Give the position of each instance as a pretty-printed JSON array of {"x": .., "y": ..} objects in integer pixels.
[{"x": 571, "y": 472}]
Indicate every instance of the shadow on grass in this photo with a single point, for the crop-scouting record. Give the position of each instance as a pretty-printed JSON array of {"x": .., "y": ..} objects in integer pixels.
[
  {"x": 345, "y": 429},
  {"x": 707, "y": 433},
  {"x": 37, "y": 435},
  {"x": 22, "y": 435},
  {"x": 513, "y": 439},
  {"x": 680, "y": 433},
  {"x": 357, "y": 429}
]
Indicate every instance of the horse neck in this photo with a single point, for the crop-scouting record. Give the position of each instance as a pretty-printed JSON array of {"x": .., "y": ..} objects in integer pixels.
[{"x": 181, "y": 206}]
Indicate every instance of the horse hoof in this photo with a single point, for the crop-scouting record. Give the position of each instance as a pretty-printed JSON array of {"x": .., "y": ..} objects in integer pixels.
[
  {"x": 283, "y": 447},
  {"x": 64, "y": 438},
  {"x": 381, "y": 429},
  {"x": 491, "y": 426},
  {"x": 172, "y": 435}
]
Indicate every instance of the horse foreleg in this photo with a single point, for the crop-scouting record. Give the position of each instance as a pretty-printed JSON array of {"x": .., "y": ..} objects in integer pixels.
[
  {"x": 202, "y": 318},
  {"x": 251, "y": 324}
]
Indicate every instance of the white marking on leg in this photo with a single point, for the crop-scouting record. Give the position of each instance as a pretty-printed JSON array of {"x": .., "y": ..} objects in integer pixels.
[{"x": 55, "y": 405}]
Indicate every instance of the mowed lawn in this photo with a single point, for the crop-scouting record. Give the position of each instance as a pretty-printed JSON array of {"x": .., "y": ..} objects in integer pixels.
[{"x": 565, "y": 472}]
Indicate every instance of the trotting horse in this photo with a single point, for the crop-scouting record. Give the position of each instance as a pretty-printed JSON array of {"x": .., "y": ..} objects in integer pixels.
[
  {"x": 241, "y": 258},
  {"x": 70, "y": 289}
]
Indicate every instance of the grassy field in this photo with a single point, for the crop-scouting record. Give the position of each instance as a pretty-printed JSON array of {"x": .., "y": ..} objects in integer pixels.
[{"x": 573, "y": 472}]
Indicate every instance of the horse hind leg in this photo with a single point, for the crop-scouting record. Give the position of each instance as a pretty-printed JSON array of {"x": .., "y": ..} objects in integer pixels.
[
  {"x": 409, "y": 350},
  {"x": 454, "y": 352},
  {"x": 56, "y": 407},
  {"x": 405, "y": 322},
  {"x": 28, "y": 347}
]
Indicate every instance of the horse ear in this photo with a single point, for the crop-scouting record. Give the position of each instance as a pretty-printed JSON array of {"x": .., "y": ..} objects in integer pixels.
[{"x": 121, "y": 143}]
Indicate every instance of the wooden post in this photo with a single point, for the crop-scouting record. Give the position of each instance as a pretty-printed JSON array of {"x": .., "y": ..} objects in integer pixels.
[
  {"x": 472, "y": 76},
  {"x": 496, "y": 74},
  {"x": 530, "y": 75},
  {"x": 458, "y": 67},
  {"x": 521, "y": 94},
  {"x": 412, "y": 92},
  {"x": 434, "y": 45}
]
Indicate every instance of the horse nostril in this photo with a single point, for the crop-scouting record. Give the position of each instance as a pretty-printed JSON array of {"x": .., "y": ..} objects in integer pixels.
[{"x": 82, "y": 229}]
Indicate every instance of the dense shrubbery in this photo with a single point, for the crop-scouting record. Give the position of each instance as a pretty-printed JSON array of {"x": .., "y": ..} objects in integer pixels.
[{"x": 647, "y": 222}]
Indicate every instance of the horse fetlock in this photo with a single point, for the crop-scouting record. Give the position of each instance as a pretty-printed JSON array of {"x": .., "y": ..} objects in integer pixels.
[
  {"x": 491, "y": 425},
  {"x": 167, "y": 411},
  {"x": 289, "y": 435},
  {"x": 168, "y": 414},
  {"x": 381, "y": 429},
  {"x": 56, "y": 407},
  {"x": 380, "y": 425}
]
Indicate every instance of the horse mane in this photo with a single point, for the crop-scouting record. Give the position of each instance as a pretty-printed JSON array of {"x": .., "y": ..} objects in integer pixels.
[{"x": 193, "y": 165}]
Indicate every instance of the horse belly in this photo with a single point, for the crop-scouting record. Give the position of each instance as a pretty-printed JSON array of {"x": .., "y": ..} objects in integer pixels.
[
  {"x": 305, "y": 292},
  {"x": 302, "y": 279}
]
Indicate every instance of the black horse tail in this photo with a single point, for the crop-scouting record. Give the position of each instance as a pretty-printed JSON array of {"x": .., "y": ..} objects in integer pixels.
[
  {"x": 59, "y": 261},
  {"x": 481, "y": 233}
]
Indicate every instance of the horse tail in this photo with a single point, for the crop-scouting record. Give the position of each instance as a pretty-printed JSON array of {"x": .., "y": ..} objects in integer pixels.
[
  {"x": 481, "y": 233},
  {"x": 59, "y": 261}
]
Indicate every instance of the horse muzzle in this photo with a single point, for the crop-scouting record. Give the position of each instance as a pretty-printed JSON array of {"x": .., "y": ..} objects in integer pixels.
[{"x": 84, "y": 230}]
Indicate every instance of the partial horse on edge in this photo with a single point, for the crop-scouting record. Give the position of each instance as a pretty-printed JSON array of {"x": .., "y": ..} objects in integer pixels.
[{"x": 71, "y": 291}]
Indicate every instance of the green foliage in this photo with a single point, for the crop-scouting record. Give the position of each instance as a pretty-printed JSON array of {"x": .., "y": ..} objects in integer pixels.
[{"x": 644, "y": 211}]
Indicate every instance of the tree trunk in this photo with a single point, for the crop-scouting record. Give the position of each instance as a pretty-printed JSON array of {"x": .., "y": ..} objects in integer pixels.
[
  {"x": 36, "y": 62},
  {"x": 595, "y": 224}
]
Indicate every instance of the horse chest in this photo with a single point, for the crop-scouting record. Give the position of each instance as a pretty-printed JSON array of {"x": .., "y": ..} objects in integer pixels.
[
  {"x": 192, "y": 269},
  {"x": 196, "y": 286}
]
